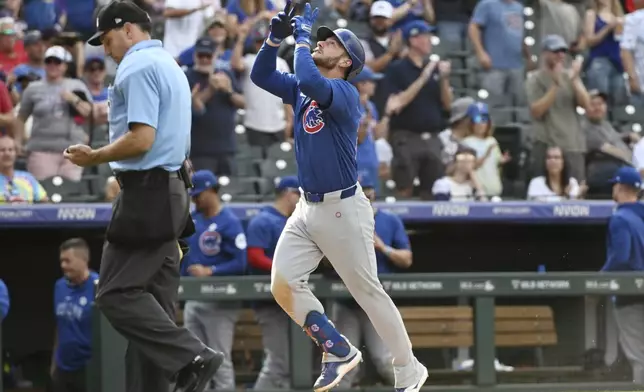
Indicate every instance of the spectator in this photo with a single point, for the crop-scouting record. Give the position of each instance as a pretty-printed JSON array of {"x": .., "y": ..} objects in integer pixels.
[
  {"x": 460, "y": 123},
  {"x": 35, "y": 65},
  {"x": 451, "y": 20},
  {"x": 424, "y": 92},
  {"x": 267, "y": 119},
  {"x": 412, "y": 11},
  {"x": 184, "y": 23},
  {"x": 240, "y": 10},
  {"x": 15, "y": 9},
  {"x": 625, "y": 241},
  {"x": 603, "y": 27},
  {"x": 112, "y": 189},
  {"x": 562, "y": 19},
  {"x": 501, "y": 51},
  {"x": 607, "y": 149},
  {"x": 461, "y": 185},
  {"x": 553, "y": 95},
  {"x": 94, "y": 77},
  {"x": 78, "y": 17},
  {"x": 216, "y": 96},
  {"x": 393, "y": 254},
  {"x": 73, "y": 304},
  {"x": 4, "y": 301},
  {"x": 557, "y": 184},
  {"x": 7, "y": 116},
  {"x": 53, "y": 102},
  {"x": 632, "y": 53},
  {"x": 382, "y": 46},
  {"x": 17, "y": 186},
  {"x": 218, "y": 248},
  {"x": 264, "y": 231},
  {"x": 371, "y": 128},
  {"x": 39, "y": 15},
  {"x": 12, "y": 50},
  {"x": 488, "y": 153},
  {"x": 217, "y": 31}
]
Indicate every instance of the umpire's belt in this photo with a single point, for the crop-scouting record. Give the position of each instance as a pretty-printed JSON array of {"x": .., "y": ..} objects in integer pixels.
[
  {"x": 337, "y": 195},
  {"x": 144, "y": 178}
]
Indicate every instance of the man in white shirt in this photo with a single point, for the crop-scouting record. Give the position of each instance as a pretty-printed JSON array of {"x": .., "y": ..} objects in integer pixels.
[
  {"x": 267, "y": 120},
  {"x": 185, "y": 22},
  {"x": 632, "y": 52}
]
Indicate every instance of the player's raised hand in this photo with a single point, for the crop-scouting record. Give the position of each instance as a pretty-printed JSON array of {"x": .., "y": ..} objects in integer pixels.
[
  {"x": 281, "y": 24},
  {"x": 302, "y": 25}
]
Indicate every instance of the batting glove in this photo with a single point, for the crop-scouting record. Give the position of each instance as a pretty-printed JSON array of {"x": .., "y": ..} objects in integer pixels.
[
  {"x": 302, "y": 25},
  {"x": 280, "y": 24}
]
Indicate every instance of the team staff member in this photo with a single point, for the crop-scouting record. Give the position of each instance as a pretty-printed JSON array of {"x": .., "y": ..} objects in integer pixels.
[
  {"x": 263, "y": 232},
  {"x": 625, "y": 252},
  {"x": 218, "y": 248},
  {"x": 4, "y": 300},
  {"x": 149, "y": 123},
  {"x": 393, "y": 253},
  {"x": 73, "y": 303}
]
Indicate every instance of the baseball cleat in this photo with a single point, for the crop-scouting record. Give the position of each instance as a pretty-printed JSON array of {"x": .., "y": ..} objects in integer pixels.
[
  {"x": 332, "y": 372},
  {"x": 196, "y": 376},
  {"x": 418, "y": 384}
]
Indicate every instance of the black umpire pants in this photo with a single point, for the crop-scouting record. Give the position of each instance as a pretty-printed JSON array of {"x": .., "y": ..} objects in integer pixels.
[
  {"x": 138, "y": 287},
  {"x": 73, "y": 381}
]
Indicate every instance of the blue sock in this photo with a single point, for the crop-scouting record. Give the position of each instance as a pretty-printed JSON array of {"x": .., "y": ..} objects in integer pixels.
[{"x": 320, "y": 329}]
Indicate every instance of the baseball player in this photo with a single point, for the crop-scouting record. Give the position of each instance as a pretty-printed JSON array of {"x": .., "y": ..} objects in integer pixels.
[
  {"x": 263, "y": 232},
  {"x": 4, "y": 300},
  {"x": 218, "y": 248},
  {"x": 333, "y": 218},
  {"x": 393, "y": 253}
]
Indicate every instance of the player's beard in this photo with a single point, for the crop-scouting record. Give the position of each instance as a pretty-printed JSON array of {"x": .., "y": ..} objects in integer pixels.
[{"x": 327, "y": 62}]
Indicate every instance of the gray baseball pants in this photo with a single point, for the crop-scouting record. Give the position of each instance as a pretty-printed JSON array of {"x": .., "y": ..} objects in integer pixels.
[
  {"x": 214, "y": 323},
  {"x": 630, "y": 322},
  {"x": 275, "y": 326},
  {"x": 343, "y": 231}
]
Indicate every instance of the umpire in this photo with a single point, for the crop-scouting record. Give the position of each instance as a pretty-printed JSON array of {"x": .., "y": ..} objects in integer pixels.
[
  {"x": 149, "y": 127},
  {"x": 625, "y": 253}
]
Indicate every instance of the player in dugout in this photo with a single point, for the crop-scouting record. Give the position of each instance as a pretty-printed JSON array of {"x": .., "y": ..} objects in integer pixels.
[
  {"x": 4, "y": 300},
  {"x": 625, "y": 253},
  {"x": 393, "y": 254},
  {"x": 217, "y": 248},
  {"x": 73, "y": 305},
  {"x": 263, "y": 232}
]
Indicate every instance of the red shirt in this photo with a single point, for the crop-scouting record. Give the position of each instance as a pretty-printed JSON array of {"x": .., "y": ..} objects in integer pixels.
[
  {"x": 6, "y": 104},
  {"x": 8, "y": 61},
  {"x": 629, "y": 6}
]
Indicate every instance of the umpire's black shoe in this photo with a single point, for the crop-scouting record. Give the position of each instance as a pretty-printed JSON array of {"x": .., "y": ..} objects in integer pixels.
[{"x": 196, "y": 376}]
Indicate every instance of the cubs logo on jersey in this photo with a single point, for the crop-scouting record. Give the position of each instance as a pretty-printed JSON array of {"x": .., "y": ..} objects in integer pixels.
[
  {"x": 210, "y": 243},
  {"x": 312, "y": 121}
]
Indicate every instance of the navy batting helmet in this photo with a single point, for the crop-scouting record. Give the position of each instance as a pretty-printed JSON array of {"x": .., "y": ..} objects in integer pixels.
[{"x": 351, "y": 44}]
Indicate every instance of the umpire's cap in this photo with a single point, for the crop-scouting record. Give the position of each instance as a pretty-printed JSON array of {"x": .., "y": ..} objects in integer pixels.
[
  {"x": 351, "y": 44},
  {"x": 115, "y": 15}
]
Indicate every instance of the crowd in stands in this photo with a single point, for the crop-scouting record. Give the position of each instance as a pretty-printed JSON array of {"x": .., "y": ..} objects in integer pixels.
[{"x": 462, "y": 99}]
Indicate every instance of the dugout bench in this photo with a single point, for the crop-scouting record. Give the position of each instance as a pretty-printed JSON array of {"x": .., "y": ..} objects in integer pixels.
[{"x": 107, "y": 362}]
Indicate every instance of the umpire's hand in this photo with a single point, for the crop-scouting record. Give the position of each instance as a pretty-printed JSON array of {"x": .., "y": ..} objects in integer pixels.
[{"x": 81, "y": 155}]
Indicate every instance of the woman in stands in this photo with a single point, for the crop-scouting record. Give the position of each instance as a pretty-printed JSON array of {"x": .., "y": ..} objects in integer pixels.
[
  {"x": 461, "y": 185},
  {"x": 603, "y": 27},
  {"x": 556, "y": 185}
]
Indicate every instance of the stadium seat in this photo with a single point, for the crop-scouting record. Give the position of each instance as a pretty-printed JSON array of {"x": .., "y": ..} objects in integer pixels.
[
  {"x": 61, "y": 190},
  {"x": 283, "y": 150},
  {"x": 501, "y": 116},
  {"x": 627, "y": 114},
  {"x": 271, "y": 168},
  {"x": 245, "y": 151},
  {"x": 387, "y": 190},
  {"x": 234, "y": 189},
  {"x": 246, "y": 167}
]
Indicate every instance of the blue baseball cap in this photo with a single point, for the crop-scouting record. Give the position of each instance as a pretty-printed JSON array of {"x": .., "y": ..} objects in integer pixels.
[
  {"x": 288, "y": 183},
  {"x": 479, "y": 113},
  {"x": 627, "y": 175},
  {"x": 415, "y": 28},
  {"x": 205, "y": 45},
  {"x": 367, "y": 74},
  {"x": 203, "y": 180}
]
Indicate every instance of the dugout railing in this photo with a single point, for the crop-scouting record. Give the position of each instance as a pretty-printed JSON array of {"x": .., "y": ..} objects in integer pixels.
[{"x": 106, "y": 370}]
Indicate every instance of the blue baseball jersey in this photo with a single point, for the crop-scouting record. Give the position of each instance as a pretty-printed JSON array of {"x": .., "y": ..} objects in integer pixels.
[
  {"x": 4, "y": 300},
  {"x": 218, "y": 242},
  {"x": 263, "y": 232},
  {"x": 390, "y": 229},
  {"x": 327, "y": 114},
  {"x": 73, "y": 309}
]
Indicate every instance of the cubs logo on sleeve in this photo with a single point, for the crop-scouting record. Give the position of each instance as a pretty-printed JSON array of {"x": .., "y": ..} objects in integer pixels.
[{"x": 312, "y": 121}]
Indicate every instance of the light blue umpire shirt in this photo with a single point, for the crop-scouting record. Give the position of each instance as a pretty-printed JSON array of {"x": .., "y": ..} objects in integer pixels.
[{"x": 150, "y": 88}]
